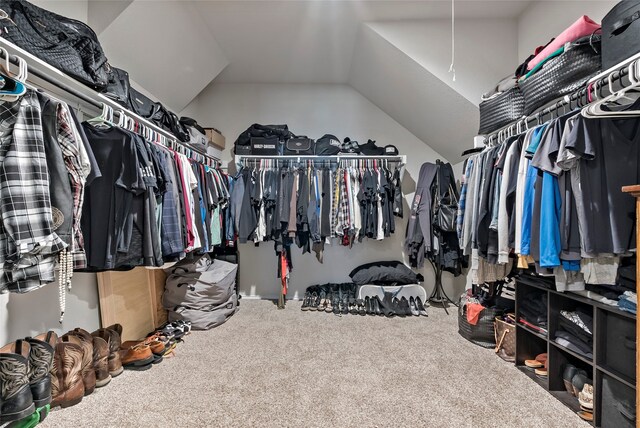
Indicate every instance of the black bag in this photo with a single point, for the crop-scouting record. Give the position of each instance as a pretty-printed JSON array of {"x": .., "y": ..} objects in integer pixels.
[
  {"x": 264, "y": 146},
  {"x": 187, "y": 121},
  {"x": 371, "y": 149},
  {"x": 620, "y": 33},
  {"x": 257, "y": 130},
  {"x": 328, "y": 145},
  {"x": 119, "y": 87},
  {"x": 299, "y": 146},
  {"x": 500, "y": 110},
  {"x": 563, "y": 74},
  {"x": 143, "y": 106},
  {"x": 483, "y": 333},
  {"x": 67, "y": 44},
  {"x": 169, "y": 122},
  {"x": 445, "y": 208}
]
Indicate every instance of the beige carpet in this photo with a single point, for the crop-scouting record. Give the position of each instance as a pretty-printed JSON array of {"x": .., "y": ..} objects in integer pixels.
[{"x": 288, "y": 368}]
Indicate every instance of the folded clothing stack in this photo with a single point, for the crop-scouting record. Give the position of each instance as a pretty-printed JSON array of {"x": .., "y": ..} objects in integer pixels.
[
  {"x": 628, "y": 302},
  {"x": 575, "y": 332},
  {"x": 533, "y": 312}
]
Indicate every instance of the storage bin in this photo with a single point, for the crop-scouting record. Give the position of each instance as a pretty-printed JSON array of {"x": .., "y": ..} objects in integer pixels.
[
  {"x": 619, "y": 345},
  {"x": 618, "y": 404}
]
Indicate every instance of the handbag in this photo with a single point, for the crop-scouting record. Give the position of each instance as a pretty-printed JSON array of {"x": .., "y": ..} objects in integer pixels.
[
  {"x": 620, "y": 33},
  {"x": 505, "y": 335},
  {"x": 299, "y": 146},
  {"x": 445, "y": 208},
  {"x": 67, "y": 44}
]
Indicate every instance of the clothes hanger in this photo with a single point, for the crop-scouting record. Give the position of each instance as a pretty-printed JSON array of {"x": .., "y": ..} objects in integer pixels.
[
  {"x": 13, "y": 87},
  {"x": 595, "y": 109},
  {"x": 103, "y": 119}
]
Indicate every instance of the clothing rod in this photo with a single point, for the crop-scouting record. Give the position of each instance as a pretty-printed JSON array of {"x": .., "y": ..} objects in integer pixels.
[
  {"x": 580, "y": 97},
  {"x": 55, "y": 77},
  {"x": 401, "y": 158}
]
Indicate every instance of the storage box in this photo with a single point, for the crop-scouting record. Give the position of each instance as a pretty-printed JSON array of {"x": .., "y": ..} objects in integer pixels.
[
  {"x": 216, "y": 139},
  {"x": 264, "y": 146}
]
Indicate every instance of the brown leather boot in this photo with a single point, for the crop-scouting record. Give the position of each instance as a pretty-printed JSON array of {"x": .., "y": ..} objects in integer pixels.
[
  {"x": 113, "y": 340},
  {"x": 88, "y": 372},
  {"x": 16, "y": 401},
  {"x": 101, "y": 361},
  {"x": 100, "y": 354},
  {"x": 40, "y": 361},
  {"x": 67, "y": 386}
]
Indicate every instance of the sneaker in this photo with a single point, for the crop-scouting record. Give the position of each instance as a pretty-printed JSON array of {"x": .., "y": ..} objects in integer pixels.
[{"x": 585, "y": 397}]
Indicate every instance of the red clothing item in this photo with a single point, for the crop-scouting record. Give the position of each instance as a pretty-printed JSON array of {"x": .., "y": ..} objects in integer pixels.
[{"x": 473, "y": 312}]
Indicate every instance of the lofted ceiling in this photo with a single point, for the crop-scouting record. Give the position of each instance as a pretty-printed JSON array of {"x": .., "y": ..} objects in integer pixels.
[{"x": 396, "y": 53}]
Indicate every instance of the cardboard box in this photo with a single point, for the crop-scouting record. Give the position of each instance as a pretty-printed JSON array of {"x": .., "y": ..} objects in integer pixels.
[{"x": 216, "y": 139}]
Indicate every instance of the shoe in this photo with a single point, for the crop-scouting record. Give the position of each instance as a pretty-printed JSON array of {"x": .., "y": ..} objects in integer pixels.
[
  {"x": 537, "y": 362},
  {"x": 305, "y": 302},
  {"x": 567, "y": 375},
  {"x": 360, "y": 305},
  {"x": 329, "y": 307},
  {"x": 413, "y": 307},
  {"x": 101, "y": 361},
  {"x": 379, "y": 308},
  {"x": 313, "y": 301},
  {"x": 542, "y": 371},
  {"x": 367, "y": 305},
  {"x": 397, "y": 308},
  {"x": 404, "y": 305},
  {"x": 353, "y": 307},
  {"x": 67, "y": 386},
  {"x": 585, "y": 397},
  {"x": 138, "y": 357},
  {"x": 40, "y": 361},
  {"x": 88, "y": 372},
  {"x": 345, "y": 304},
  {"x": 16, "y": 401},
  {"x": 85, "y": 336},
  {"x": 112, "y": 338},
  {"x": 578, "y": 382},
  {"x": 587, "y": 416},
  {"x": 421, "y": 309}
]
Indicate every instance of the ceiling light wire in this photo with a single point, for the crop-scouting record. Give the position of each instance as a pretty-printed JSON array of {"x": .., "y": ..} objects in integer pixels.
[{"x": 453, "y": 39}]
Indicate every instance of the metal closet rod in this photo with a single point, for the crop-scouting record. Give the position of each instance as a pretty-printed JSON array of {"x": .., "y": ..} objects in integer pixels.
[
  {"x": 98, "y": 100},
  {"x": 402, "y": 158},
  {"x": 579, "y": 97}
]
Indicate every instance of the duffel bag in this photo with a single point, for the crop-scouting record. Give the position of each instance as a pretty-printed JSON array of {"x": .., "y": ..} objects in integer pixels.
[
  {"x": 299, "y": 146},
  {"x": 69, "y": 45},
  {"x": 119, "y": 87},
  {"x": 205, "y": 318}
]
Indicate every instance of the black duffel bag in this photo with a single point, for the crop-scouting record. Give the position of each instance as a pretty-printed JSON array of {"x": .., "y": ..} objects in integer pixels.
[
  {"x": 119, "y": 88},
  {"x": 483, "y": 332},
  {"x": 620, "y": 33},
  {"x": 563, "y": 74},
  {"x": 67, "y": 44}
]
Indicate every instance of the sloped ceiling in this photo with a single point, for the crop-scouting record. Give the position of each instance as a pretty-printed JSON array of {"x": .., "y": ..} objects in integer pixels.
[{"x": 396, "y": 53}]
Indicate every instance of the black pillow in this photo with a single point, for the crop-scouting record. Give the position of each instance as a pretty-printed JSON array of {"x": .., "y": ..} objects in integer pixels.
[{"x": 385, "y": 273}]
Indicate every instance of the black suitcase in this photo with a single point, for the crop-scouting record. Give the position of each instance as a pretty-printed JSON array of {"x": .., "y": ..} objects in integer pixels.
[
  {"x": 620, "y": 33},
  {"x": 119, "y": 87}
]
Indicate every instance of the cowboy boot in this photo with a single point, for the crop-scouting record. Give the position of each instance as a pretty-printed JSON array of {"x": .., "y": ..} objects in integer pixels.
[
  {"x": 16, "y": 401},
  {"x": 40, "y": 361},
  {"x": 112, "y": 338},
  {"x": 89, "y": 373},
  {"x": 67, "y": 386},
  {"x": 99, "y": 357}
]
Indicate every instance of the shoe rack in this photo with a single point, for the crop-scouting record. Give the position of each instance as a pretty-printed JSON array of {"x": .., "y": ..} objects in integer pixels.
[{"x": 612, "y": 368}]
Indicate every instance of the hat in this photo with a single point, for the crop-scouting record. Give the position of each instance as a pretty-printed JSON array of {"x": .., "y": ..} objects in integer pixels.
[{"x": 390, "y": 150}]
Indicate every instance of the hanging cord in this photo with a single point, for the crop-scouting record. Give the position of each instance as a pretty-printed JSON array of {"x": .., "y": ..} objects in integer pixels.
[{"x": 452, "y": 68}]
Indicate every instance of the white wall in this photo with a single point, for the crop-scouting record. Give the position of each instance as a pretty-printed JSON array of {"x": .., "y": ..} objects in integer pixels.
[
  {"x": 76, "y": 9},
  {"x": 543, "y": 20},
  {"x": 313, "y": 110}
]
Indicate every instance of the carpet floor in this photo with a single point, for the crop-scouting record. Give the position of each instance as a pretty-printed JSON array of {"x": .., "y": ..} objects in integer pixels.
[{"x": 271, "y": 368}]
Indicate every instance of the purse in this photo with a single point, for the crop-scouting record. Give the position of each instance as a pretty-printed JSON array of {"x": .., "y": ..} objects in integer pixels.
[
  {"x": 69, "y": 45},
  {"x": 505, "y": 334},
  {"x": 445, "y": 209},
  {"x": 299, "y": 146}
]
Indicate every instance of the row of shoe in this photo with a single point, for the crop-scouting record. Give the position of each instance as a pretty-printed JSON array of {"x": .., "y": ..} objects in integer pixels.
[
  {"x": 339, "y": 303},
  {"x": 539, "y": 365},
  {"x": 577, "y": 383},
  {"x": 47, "y": 371}
]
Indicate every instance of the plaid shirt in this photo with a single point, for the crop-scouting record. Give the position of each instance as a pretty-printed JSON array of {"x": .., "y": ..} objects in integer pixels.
[
  {"x": 69, "y": 140},
  {"x": 28, "y": 244}
]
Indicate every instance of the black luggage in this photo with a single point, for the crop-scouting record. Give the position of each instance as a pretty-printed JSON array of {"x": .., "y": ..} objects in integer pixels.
[{"x": 620, "y": 33}]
